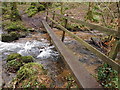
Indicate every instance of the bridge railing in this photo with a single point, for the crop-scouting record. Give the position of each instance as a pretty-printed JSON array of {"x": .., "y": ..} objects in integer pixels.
[
  {"x": 108, "y": 31},
  {"x": 91, "y": 26},
  {"x": 82, "y": 77}
]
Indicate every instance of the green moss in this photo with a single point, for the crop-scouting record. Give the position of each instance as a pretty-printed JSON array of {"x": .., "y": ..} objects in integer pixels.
[
  {"x": 13, "y": 65},
  {"x": 14, "y": 12},
  {"x": 27, "y": 59},
  {"x": 31, "y": 76},
  {"x": 24, "y": 59},
  {"x": 6, "y": 38},
  {"x": 6, "y": 16},
  {"x": 15, "y": 35},
  {"x": 13, "y": 56},
  {"x": 40, "y": 7},
  {"x": 28, "y": 69},
  {"x": 15, "y": 26},
  {"x": 32, "y": 12},
  {"x": 25, "y": 72},
  {"x": 34, "y": 8},
  {"x": 15, "y": 60}
]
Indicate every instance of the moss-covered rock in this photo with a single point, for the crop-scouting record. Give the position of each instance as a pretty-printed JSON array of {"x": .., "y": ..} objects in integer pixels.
[
  {"x": 14, "y": 65},
  {"x": 27, "y": 59},
  {"x": 15, "y": 35},
  {"x": 6, "y": 38},
  {"x": 10, "y": 37},
  {"x": 31, "y": 75},
  {"x": 27, "y": 70},
  {"x": 15, "y": 26},
  {"x": 13, "y": 56},
  {"x": 15, "y": 60}
]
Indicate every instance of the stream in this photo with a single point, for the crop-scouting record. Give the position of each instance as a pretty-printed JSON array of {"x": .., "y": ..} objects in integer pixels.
[
  {"x": 42, "y": 52},
  {"x": 39, "y": 47}
]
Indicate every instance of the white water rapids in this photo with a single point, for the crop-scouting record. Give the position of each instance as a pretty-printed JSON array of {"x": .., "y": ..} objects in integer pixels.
[{"x": 38, "y": 49}]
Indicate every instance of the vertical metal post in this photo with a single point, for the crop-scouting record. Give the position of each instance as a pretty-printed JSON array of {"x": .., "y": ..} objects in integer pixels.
[
  {"x": 63, "y": 36},
  {"x": 53, "y": 19}
]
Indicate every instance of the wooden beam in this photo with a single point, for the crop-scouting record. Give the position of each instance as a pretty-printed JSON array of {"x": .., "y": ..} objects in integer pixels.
[
  {"x": 82, "y": 77},
  {"x": 102, "y": 56},
  {"x": 115, "y": 49},
  {"x": 92, "y": 26}
]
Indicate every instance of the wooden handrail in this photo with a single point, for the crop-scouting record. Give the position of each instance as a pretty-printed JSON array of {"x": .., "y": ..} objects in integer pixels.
[
  {"x": 92, "y": 26},
  {"x": 102, "y": 56}
]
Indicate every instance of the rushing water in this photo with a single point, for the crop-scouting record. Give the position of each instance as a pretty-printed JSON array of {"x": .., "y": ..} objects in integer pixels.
[
  {"x": 40, "y": 50},
  {"x": 37, "y": 49}
]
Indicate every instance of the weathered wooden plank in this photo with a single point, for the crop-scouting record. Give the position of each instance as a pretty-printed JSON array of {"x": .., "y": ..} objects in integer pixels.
[
  {"x": 83, "y": 78},
  {"x": 92, "y": 26},
  {"x": 115, "y": 49},
  {"x": 102, "y": 56}
]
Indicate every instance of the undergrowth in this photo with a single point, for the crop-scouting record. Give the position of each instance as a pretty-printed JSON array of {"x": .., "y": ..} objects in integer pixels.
[{"x": 107, "y": 76}]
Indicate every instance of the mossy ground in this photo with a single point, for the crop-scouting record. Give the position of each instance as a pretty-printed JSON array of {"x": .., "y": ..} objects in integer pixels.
[
  {"x": 31, "y": 75},
  {"x": 34, "y": 8},
  {"x": 15, "y": 30},
  {"x": 13, "y": 56},
  {"x": 14, "y": 65},
  {"x": 15, "y": 61},
  {"x": 27, "y": 59}
]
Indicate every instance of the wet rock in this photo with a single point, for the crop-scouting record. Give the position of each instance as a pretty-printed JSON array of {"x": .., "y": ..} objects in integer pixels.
[
  {"x": 96, "y": 62},
  {"x": 84, "y": 60},
  {"x": 32, "y": 30},
  {"x": 23, "y": 34}
]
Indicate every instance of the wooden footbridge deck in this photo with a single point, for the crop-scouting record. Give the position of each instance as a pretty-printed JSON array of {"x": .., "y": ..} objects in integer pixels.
[{"x": 82, "y": 77}]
